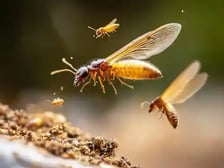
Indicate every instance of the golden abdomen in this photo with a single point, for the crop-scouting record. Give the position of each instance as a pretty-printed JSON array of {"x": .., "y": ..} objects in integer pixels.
[
  {"x": 170, "y": 112},
  {"x": 111, "y": 28},
  {"x": 135, "y": 70}
]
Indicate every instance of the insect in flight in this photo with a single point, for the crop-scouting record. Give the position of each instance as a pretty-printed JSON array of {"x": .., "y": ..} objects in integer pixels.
[
  {"x": 127, "y": 62},
  {"x": 109, "y": 28},
  {"x": 58, "y": 102},
  {"x": 181, "y": 89}
]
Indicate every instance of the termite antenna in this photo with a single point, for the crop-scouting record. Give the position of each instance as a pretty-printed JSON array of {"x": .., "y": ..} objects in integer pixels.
[
  {"x": 62, "y": 70},
  {"x": 142, "y": 105},
  {"x": 91, "y": 28},
  {"x": 69, "y": 64},
  {"x": 72, "y": 70}
]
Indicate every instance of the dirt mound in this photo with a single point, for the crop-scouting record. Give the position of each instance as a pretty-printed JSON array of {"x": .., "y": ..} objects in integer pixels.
[{"x": 52, "y": 132}]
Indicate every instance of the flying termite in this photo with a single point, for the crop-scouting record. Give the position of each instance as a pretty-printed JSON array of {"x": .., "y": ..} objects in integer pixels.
[
  {"x": 109, "y": 28},
  {"x": 180, "y": 90},
  {"x": 126, "y": 63},
  {"x": 57, "y": 102}
]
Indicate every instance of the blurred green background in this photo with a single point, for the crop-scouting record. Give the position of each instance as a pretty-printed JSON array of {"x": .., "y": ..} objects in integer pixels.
[{"x": 35, "y": 35}]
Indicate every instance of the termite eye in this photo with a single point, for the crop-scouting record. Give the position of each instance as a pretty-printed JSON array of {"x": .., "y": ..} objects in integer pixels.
[
  {"x": 82, "y": 73},
  {"x": 85, "y": 73},
  {"x": 98, "y": 32},
  {"x": 151, "y": 107}
]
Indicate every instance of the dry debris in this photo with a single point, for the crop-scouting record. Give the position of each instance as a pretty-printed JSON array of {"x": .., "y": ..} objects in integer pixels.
[{"x": 52, "y": 132}]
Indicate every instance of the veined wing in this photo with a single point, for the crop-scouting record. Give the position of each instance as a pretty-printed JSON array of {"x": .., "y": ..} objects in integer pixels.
[
  {"x": 193, "y": 86},
  {"x": 177, "y": 86},
  {"x": 112, "y": 22},
  {"x": 148, "y": 44}
]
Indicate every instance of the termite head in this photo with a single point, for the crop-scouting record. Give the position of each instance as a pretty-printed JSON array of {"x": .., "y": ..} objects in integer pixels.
[
  {"x": 154, "y": 105},
  {"x": 99, "y": 32},
  {"x": 81, "y": 75},
  {"x": 151, "y": 105}
]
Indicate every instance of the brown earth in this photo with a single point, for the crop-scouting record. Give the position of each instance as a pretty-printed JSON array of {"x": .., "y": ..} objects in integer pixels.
[{"x": 52, "y": 132}]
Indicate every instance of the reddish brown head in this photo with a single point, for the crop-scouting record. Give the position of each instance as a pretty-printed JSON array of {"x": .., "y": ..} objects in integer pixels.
[
  {"x": 154, "y": 104},
  {"x": 81, "y": 75},
  {"x": 99, "y": 32}
]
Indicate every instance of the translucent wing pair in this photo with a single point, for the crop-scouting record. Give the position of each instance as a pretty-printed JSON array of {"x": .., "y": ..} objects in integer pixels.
[
  {"x": 148, "y": 44},
  {"x": 182, "y": 88},
  {"x": 185, "y": 85}
]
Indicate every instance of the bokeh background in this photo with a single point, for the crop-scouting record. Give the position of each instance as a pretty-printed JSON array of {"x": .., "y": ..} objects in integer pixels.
[{"x": 35, "y": 35}]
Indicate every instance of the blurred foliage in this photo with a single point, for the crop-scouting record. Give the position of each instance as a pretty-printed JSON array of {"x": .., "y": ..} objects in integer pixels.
[{"x": 35, "y": 35}]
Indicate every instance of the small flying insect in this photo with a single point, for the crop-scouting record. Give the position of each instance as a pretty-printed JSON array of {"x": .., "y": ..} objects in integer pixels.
[
  {"x": 127, "y": 62},
  {"x": 109, "y": 28},
  {"x": 58, "y": 102},
  {"x": 181, "y": 89}
]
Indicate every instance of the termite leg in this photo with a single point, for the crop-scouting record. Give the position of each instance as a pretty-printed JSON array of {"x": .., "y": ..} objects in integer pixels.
[
  {"x": 93, "y": 76},
  {"x": 101, "y": 84},
  {"x": 84, "y": 85},
  {"x": 94, "y": 83},
  {"x": 124, "y": 83},
  {"x": 111, "y": 83},
  {"x": 97, "y": 36},
  {"x": 107, "y": 34},
  {"x": 161, "y": 115}
]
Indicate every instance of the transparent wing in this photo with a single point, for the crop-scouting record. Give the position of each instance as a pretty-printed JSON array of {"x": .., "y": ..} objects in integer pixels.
[
  {"x": 148, "y": 44},
  {"x": 112, "y": 22},
  {"x": 193, "y": 86},
  {"x": 177, "y": 86}
]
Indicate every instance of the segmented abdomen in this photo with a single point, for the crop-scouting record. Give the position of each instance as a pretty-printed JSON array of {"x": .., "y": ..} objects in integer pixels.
[
  {"x": 135, "y": 70},
  {"x": 171, "y": 114}
]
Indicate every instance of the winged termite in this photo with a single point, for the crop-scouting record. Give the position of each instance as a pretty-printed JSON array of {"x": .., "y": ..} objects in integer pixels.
[
  {"x": 181, "y": 89},
  {"x": 109, "y": 28},
  {"x": 126, "y": 63}
]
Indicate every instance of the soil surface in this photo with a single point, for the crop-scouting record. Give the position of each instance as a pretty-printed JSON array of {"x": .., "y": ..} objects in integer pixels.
[{"x": 52, "y": 132}]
